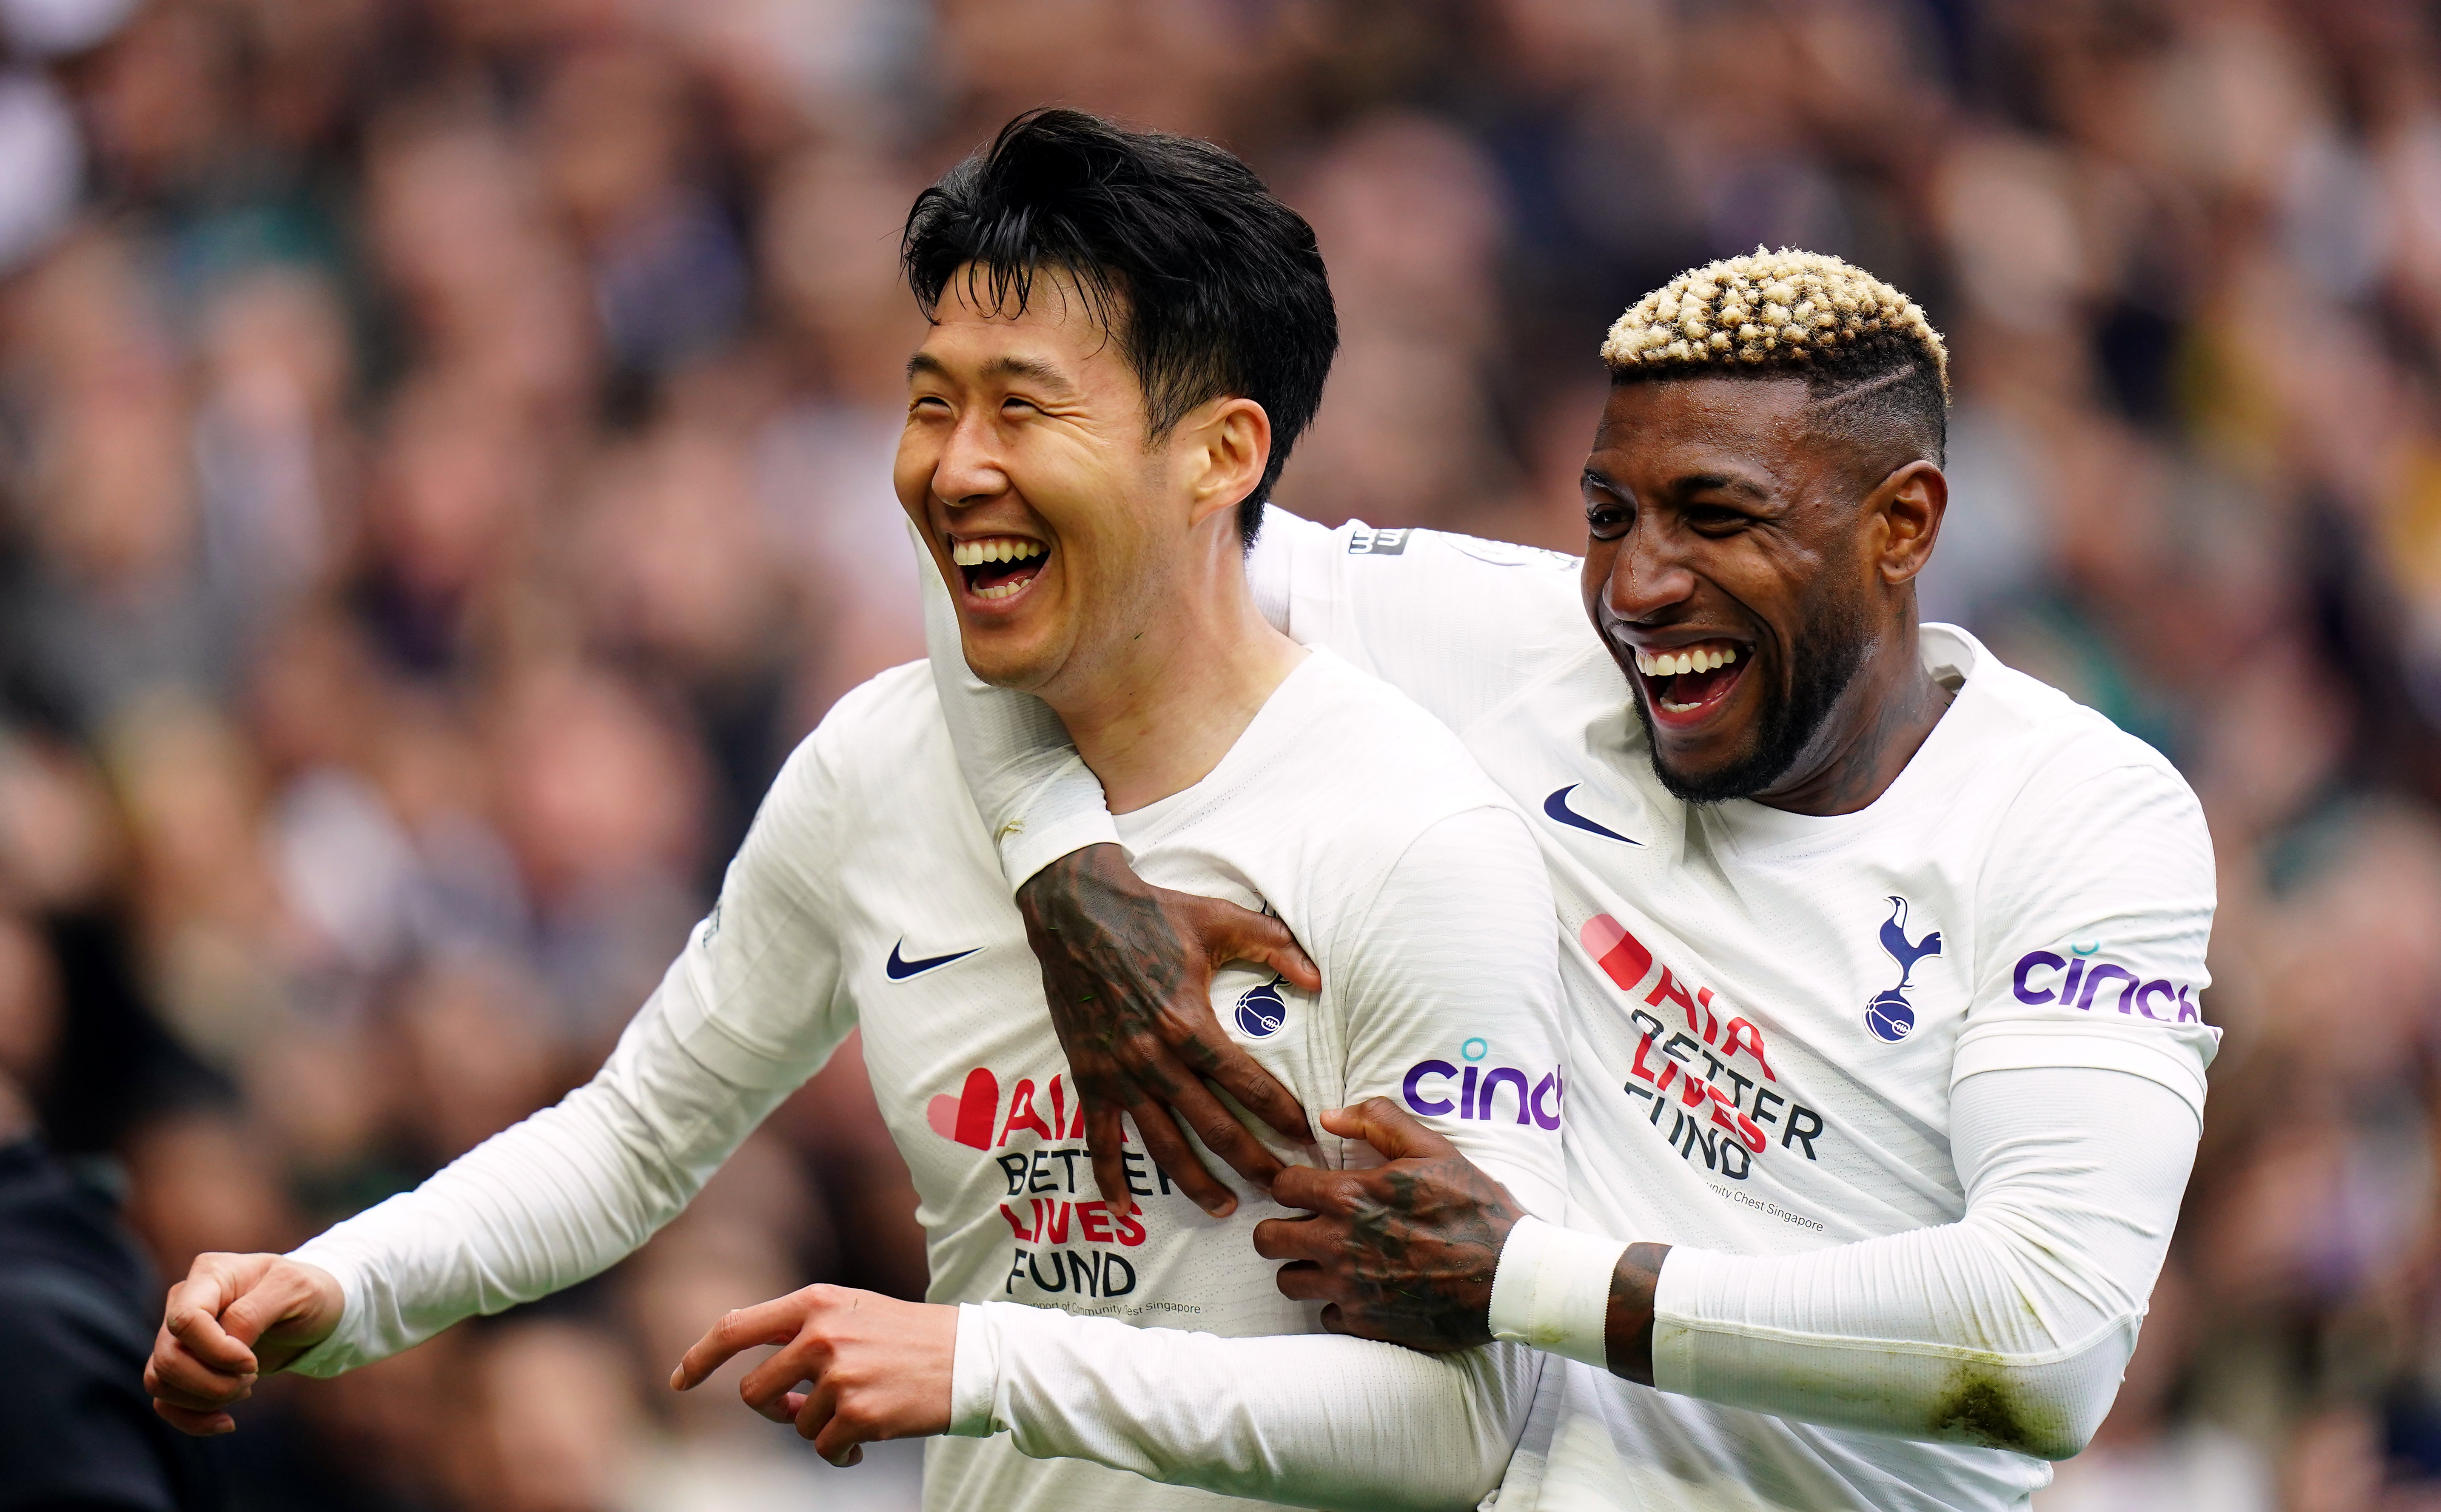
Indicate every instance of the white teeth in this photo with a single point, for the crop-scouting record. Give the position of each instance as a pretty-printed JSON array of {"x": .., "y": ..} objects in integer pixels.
[
  {"x": 999, "y": 549},
  {"x": 1669, "y": 664}
]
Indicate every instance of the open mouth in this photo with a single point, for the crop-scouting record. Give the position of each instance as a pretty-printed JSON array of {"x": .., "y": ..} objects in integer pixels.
[
  {"x": 999, "y": 568},
  {"x": 1687, "y": 683}
]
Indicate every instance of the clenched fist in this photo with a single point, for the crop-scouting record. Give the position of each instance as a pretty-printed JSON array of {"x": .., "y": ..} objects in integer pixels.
[{"x": 235, "y": 1317}]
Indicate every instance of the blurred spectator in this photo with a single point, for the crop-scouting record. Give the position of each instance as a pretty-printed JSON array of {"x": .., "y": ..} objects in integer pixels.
[
  {"x": 445, "y": 467},
  {"x": 78, "y": 1302}
]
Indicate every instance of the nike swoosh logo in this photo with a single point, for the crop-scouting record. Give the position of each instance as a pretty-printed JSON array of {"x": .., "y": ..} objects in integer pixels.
[
  {"x": 900, "y": 969},
  {"x": 1557, "y": 806}
]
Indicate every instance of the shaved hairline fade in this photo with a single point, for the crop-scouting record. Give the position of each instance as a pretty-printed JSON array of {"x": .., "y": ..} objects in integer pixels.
[{"x": 1875, "y": 370}]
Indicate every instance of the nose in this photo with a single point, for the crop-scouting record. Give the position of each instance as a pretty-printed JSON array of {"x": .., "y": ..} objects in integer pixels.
[
  {"x": 968, "y": 470},
  {"x": 1648, "y": 575}
]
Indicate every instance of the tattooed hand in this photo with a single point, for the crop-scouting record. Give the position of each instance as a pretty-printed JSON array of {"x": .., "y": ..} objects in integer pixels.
[
  {"x": 1128, "y": 969},
  {"x": 1403, "y": 1252}
]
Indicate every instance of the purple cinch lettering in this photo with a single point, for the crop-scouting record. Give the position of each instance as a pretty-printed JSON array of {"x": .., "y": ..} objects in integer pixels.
[
  {"x": 2144, "y": 992},
  {"x": 2093, "y": 979},
  {"x": 1466, "y": 1104},
  {"x": 1491, "y": 1084},
  {"x": 2026, "y": 964},
  {"x": 1547, "y": 1087},
  {"x": 1429, "y": 1106}
]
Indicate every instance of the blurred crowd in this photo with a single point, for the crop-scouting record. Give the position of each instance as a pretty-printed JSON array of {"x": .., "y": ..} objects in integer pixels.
[{"x": 444, "y": 462}]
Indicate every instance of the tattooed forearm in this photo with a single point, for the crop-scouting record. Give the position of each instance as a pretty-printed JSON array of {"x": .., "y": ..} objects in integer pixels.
[{"x": 1628, "y": 1329}]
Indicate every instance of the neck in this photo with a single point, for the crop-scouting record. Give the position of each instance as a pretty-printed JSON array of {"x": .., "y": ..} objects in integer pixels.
[
  {"x": 1156, "y": 711},
  {"x": 1870, "y": 734}
]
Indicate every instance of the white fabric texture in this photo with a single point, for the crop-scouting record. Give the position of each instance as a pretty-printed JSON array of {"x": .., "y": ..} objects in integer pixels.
[
  {"x": 2072, "y": 1175},
  {"x": 1551, "y": 1290},
  {"x": 1308, "y": 1421},
  {"x": 2012, "y": 1324},
  {"x": 538, "y": 1207},
  {"x": 1772, "y": 1016},
  {"x": 1050, "y": 800},
  {"x": 866, "y": 896}
]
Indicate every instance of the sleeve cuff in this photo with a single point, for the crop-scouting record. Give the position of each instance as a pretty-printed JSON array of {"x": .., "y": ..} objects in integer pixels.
[
  {"x": 974, "y": 1375},
  {"x": 2137, "y": 1051},
  {"x": 337, "y": 1354},
  {"x": 1551, "y": 1290},
  {"x": 1032, "y": 841},
  {"x": 1673, "y": 1327}
]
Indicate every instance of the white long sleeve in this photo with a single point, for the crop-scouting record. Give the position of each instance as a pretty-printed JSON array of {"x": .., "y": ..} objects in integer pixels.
[
  {"x": 558, "y": 1199},
  {"x": 2010, "y": 1327},
  {"x": 1309, "y": 1420},
  {"x": 749, "y": 1010}
]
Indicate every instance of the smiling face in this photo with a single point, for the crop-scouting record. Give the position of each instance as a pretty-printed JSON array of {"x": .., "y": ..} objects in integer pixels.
[
  {"x": 1059, "y": 523},
  {"x": 1745, "y": 561}
]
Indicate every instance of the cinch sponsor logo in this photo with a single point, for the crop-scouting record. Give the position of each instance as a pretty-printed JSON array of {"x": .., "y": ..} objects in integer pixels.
[
  {"x": 1725, "y": 1129},
  {"x": 2073, "y": 981},
  {"x": 1429, "y": 1082}
]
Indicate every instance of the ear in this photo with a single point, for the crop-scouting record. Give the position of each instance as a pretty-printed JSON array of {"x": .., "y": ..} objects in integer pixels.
[
  {"x": 1909, "y": 504},
  {"x": 1229, "y": 445}
]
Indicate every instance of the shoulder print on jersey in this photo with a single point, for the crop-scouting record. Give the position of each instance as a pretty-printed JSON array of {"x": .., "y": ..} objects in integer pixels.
[
  {"x": 1429, "y": 1082},
  {"x": 2072, "y": 981},
  {"x": 1889, "y": 1016},
  {"x": 1728, "y": 1130},
  {"x": 1365, "y": 541},
  {"x": 1556, "y": 806}
]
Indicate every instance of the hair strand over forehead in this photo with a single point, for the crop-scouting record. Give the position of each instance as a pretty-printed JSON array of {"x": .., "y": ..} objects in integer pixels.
[{"x": 1211, "y": 286}]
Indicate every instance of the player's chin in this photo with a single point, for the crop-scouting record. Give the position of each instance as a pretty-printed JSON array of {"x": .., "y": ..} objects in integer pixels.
[{"x": 1017, "y": 648}]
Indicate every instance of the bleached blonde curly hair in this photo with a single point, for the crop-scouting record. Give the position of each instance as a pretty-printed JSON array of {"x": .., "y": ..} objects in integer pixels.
[{"x": 1801, "y": 312}]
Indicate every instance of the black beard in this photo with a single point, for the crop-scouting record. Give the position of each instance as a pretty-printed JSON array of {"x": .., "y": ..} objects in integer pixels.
[{"x": 1831, "y": 654}]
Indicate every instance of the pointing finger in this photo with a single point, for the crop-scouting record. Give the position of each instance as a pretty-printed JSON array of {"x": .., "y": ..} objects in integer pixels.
[{"x": 770, "y": 1323}]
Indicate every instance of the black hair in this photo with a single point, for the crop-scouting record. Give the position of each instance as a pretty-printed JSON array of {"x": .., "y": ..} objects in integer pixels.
[{"x": 1211, "y": 286}]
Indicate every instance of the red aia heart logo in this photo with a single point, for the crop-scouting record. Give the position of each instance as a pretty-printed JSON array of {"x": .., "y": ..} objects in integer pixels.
[{"x": 968, "y": 1118}]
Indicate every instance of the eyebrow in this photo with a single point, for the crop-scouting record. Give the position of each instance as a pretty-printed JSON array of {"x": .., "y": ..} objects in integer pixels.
[
  {"x": 1032, "y": 370},
  {"x": 1687, "y": 483}
]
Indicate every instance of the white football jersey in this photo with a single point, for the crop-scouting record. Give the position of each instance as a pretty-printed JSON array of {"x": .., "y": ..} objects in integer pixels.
[
  {"x": 1768, "y": 1010},
  {"x": 868, "y": 892}
]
